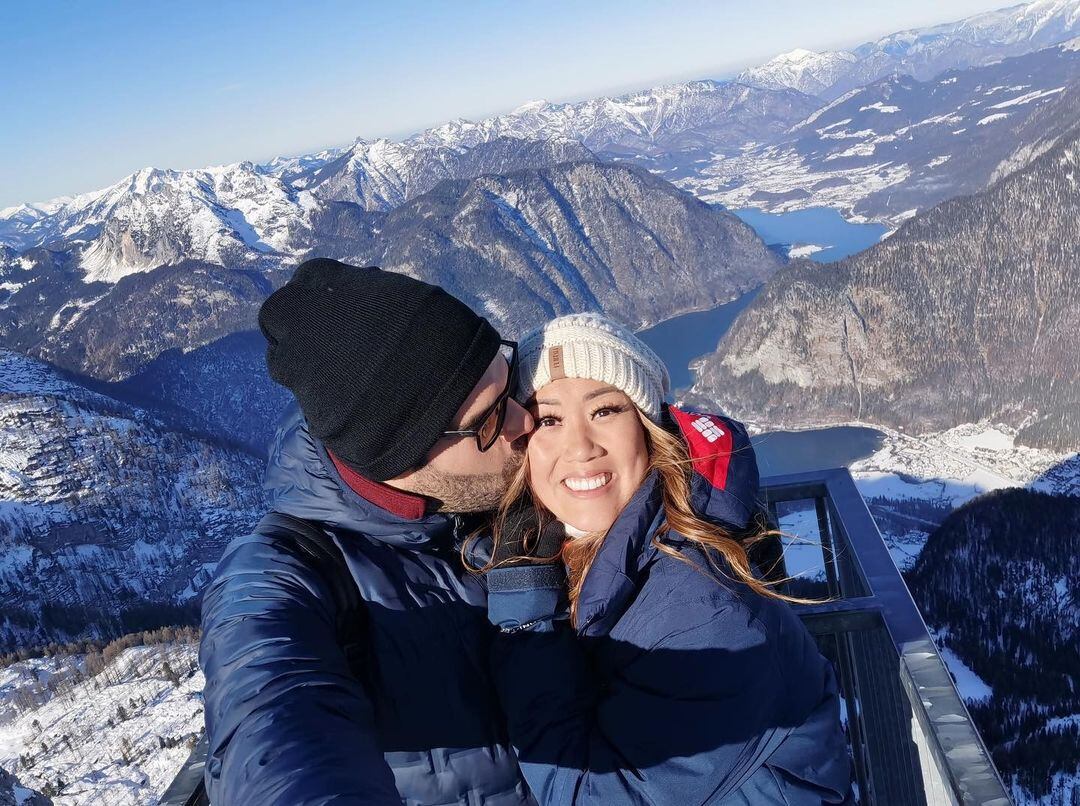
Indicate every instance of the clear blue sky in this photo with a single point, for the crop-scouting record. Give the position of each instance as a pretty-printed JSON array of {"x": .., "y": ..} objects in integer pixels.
[{"x": 91, "y": 91}]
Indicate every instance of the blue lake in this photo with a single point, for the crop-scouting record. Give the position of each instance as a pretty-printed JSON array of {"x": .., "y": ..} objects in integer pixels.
[
  {"x": 798, "y": 451},
  {"x": 680, "y": 340},
  {"x": 822, "y": 226}
]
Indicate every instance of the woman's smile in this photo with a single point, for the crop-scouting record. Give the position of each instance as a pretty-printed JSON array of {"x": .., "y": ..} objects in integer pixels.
[{"x": 588, "y": 486}]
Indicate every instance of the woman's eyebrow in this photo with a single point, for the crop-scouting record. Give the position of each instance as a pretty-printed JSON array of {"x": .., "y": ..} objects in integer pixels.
[
  {"x": 599, "y": 392},
  {"x": 589, "y": 396}
]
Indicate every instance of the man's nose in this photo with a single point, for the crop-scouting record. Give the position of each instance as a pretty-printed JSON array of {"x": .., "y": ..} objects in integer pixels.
[{"x": 518, "y": 421}]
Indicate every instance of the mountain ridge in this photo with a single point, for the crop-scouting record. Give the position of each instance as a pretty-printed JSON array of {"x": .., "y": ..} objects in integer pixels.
[
  {"x": 922, "y": 52},
  {"x": 968, "y": 311}
]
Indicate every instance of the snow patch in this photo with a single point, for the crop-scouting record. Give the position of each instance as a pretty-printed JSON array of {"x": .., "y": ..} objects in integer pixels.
[
  {"x": 100, "y": 734},
  {"x": 880, "y": 107},
  {"x": 991, "y": 119},
  {"x": 1027, "y": 98},
  {"x": 971, "y": 687},
  {"x": 804, "y": 250},
  {"x": 831, "y": 126}
]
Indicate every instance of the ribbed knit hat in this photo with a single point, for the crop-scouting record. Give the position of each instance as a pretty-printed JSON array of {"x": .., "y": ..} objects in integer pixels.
[
  {"x": 587, "y": 345},
  {"x": 379, "y": 362}
]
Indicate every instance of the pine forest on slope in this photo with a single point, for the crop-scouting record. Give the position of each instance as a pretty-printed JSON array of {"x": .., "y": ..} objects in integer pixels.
[{"x": 1000, "y": 584}]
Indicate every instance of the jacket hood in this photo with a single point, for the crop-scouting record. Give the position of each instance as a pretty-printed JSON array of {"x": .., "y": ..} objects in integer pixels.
[
  {"x": 726, "y": 482},
  {"x": 301, "y": 481}
]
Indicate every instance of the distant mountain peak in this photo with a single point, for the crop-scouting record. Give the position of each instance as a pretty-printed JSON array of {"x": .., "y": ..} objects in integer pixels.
[
  {"x": 923, "y": 52},
  {"x": 531, "y": 106}
]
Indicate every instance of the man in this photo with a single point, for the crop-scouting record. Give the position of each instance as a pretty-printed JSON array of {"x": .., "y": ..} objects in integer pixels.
[{"x": 344, "y": 642}]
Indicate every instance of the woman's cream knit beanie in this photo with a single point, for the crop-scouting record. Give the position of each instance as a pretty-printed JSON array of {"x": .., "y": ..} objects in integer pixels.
[{"x": 586, "y": 345}]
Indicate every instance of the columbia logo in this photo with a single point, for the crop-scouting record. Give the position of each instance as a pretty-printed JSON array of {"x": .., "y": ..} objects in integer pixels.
[{"x": 708, "y": 429}]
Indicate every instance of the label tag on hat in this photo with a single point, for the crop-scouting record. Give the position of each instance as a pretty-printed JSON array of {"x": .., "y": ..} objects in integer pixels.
[{"x": 555, "y": 363}]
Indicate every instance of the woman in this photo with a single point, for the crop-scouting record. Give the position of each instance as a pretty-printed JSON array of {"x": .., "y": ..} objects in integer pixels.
[{"x": 657, "y": 669}]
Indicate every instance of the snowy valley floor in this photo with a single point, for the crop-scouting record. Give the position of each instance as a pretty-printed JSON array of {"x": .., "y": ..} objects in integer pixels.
[{"x": 947, "y": 469}]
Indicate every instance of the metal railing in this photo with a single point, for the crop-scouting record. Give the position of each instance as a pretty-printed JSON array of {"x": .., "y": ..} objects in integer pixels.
[
  {"x": 912, "y": 740},
  {"x": 187, "y": 787}
]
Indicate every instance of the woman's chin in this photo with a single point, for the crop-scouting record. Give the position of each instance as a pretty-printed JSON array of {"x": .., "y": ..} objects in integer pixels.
[{"x": 582, "y": 522}]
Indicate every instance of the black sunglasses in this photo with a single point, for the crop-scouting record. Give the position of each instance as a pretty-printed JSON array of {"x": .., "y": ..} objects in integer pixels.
[{"x": 490, "y": 424}]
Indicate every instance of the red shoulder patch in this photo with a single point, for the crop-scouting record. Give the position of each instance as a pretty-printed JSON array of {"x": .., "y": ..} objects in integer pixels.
[{"x": 709, "y": 441}]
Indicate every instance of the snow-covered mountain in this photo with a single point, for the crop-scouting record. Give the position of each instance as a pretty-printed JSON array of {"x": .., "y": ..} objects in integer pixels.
[
  {"x": 923, "y": 52},
  {"x": 246, "y": 215},
  {"x": 249, "y": 215},
  {"x": 898, "y": 145},
  {"x": 109, "y": 514},
  {"x": 231, "y": 215},
  {"x": 257, "y": 215},
  {"x": 720, "y": 114},
  {"x": 969, "y": 311},
  {"x": 809, "y": 71},
  {"x": 559, "y": 239},
  {"x": 382, "y": 175}
]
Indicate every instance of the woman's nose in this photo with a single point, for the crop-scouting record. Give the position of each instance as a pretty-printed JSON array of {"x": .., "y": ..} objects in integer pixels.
[{"x": 579, "y": 445}]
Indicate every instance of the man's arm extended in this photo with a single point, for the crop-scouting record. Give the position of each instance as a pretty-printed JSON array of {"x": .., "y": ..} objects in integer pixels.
[{"x": 286, "y": 720}]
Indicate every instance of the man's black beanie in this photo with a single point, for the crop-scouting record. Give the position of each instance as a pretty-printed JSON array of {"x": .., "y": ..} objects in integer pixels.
[{"x": 379, "y": 362}]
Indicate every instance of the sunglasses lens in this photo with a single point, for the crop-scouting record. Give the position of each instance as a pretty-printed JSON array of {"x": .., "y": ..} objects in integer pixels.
[
  {"x": 493, "y": 426},
  {"x": 488, "y": 431}
]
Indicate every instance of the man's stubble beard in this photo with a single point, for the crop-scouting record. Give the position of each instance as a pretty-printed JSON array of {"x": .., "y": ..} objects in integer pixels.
[{"x": 476, "y": 492}]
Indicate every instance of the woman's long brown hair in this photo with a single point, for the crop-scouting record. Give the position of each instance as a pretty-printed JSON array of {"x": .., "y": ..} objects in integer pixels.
[{"x": 669, "y": 458}]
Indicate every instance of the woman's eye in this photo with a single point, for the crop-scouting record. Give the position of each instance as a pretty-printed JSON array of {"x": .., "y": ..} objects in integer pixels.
[
  {"x": 542, "y": 422},
  {"x": 605, "y": 411}
]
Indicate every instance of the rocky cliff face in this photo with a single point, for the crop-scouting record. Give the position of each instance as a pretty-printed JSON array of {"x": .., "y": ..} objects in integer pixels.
[
  {"x": 111, "y": 517},
  {"x": 970, "y": 310}
]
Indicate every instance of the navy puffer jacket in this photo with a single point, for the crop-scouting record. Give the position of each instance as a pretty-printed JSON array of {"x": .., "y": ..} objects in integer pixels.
[
  {"x": 677, "y": 687},
  {"x": 297, "y": 716}
]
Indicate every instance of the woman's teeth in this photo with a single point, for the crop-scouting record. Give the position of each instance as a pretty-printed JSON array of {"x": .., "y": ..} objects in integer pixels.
[{"x": 589, "y": 483}]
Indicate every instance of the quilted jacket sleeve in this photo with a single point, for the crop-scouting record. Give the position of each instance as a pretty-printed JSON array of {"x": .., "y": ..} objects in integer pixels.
[{"x": 286, "y": 720}]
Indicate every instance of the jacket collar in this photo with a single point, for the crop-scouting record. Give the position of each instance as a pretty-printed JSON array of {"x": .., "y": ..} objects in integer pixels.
[
  {"x": 613, "y": 577},
  {"x": 302, "y": 480},
  {"x": 406, "y": 506}
]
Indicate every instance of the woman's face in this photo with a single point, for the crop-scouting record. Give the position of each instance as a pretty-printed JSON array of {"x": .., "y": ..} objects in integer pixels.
[{"x": 587, "y": 455}]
